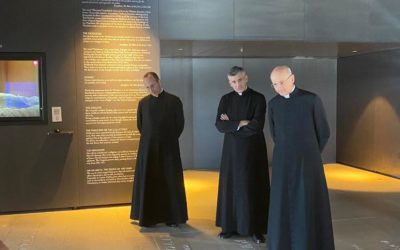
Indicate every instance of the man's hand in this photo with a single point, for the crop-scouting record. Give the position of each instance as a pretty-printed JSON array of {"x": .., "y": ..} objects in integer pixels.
[
  {"x": 224, "y": 117},
  {"x": 243, "y": 123}
]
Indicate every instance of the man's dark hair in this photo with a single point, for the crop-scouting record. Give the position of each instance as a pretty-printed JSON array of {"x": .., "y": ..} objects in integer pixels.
[
  {"x": 153, "y": 74},
  {"x": 235, "y": 70}
]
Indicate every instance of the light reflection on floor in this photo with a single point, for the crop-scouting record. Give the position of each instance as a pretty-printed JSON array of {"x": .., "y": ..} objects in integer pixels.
[{"x": 340, "y": 177}]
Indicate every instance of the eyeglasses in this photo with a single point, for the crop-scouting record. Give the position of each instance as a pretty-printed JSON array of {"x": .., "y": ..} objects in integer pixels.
[{"x": 278, "y": 84}]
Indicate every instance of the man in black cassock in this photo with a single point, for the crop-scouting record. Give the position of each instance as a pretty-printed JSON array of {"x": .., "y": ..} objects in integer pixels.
[
  {"x": 243, "y": 191},
  {"x": 299, "y": 213},
  {"x": 159, "y": 191}
]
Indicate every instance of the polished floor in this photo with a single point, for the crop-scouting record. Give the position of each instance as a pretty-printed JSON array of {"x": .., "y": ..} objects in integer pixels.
[{"x": 365, "y": 210}]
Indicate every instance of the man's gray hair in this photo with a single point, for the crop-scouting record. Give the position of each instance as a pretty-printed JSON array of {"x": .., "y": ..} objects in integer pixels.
[{"x": 236, "y": 70}]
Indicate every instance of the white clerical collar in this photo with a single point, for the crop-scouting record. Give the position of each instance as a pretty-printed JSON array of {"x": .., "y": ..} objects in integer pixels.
[
  {"x": 162, "y": 90},
  {"x": 241, "y": 93},
  {"x": 288, "y": 96}
]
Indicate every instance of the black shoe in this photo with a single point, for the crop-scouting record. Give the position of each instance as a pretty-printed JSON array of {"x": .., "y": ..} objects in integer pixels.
[
  {"x": 148, "y": 225},
  {"x": 172, "y": 224},
  {"x": 224, "y": 235},
  {"x": 258, "y": 238}
]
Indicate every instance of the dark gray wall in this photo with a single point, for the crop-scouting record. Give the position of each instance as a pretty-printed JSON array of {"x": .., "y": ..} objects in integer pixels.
[
  {"x": 36, "y": 170},
  {"x": 209, "y": 84},
  {"x": 368, "y": 122},
  {"x": 309, "y": 20},
  {"x": 176, "y": 78},
  {"x": 40, "y": 171}
]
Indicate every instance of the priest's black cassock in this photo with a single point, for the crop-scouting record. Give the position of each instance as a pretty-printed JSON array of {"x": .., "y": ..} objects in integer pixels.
[
  {"x": 243, "y": 191},
  {"x": 159, "y": 192},
  {"x": 299, "y": 215}
]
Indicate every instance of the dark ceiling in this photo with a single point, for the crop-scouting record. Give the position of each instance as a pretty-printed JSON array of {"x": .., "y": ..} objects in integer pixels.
[{"x": 263, "y": 49}]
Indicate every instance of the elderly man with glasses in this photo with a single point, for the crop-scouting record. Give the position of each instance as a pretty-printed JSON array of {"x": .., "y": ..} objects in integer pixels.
[{"x": 299, "y": 214}]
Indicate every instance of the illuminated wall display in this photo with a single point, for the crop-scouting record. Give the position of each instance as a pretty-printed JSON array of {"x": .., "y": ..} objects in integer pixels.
[
  {"x": 118, "y": 44},
  {"x": 22, "y": 87}
]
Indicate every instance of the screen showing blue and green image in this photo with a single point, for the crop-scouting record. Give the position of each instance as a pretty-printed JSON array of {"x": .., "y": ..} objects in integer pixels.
[{"x": 20, "y": 88}]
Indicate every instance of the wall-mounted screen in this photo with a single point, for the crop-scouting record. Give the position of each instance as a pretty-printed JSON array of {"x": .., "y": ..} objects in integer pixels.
[{"x": 22, "y": 87}]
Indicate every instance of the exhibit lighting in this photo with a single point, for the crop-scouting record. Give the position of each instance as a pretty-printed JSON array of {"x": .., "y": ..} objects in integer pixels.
[
  {"x": 377, "y": 123},
  {"x": 344, "y": 178}
]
